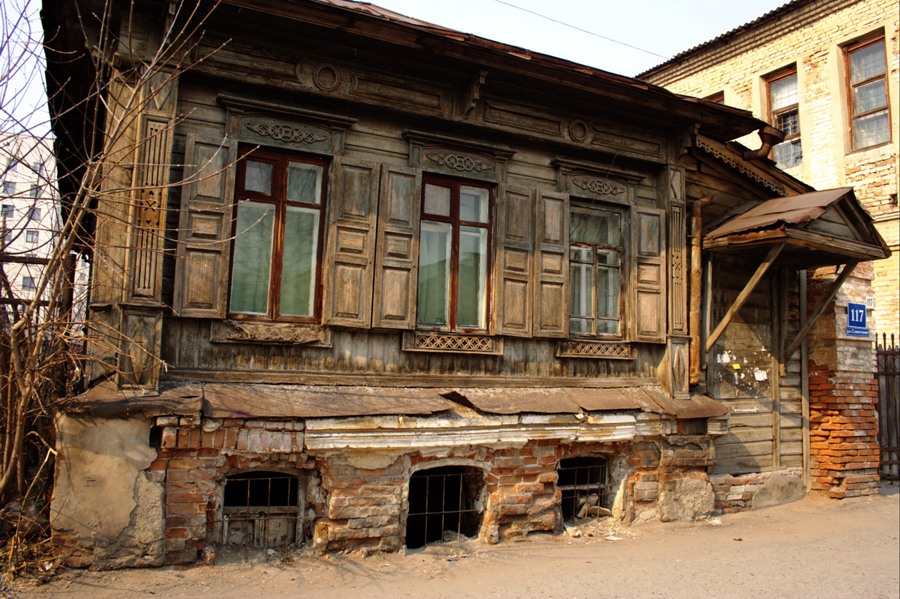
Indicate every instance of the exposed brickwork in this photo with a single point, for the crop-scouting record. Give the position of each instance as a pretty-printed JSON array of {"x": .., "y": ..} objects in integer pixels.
[
  {"x": 843, "y": 396},
  {"x": 358, "y": 501}
]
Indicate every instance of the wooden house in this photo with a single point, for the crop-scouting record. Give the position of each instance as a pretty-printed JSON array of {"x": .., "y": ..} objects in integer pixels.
[{"x": 367, "y": 283}]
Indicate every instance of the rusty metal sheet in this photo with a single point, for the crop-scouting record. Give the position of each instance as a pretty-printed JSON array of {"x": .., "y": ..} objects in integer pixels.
[
  {"x": 788, "y": 210},
  {"x": 622, "y": 398},
  {"x": 221, "y": 400},
  {"x": 698, "y": 406},
  {"x": 105, "y": 401},
  {"x": 549, "y": 400}
]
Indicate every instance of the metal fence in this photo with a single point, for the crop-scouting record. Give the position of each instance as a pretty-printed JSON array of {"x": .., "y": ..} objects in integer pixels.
[{"x": 888, "y": 354}]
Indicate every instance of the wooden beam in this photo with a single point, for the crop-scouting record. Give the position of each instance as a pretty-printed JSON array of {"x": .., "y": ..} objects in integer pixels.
[
  {"x": 820, "y": 309},
  {"x": 744, "y": 294}
]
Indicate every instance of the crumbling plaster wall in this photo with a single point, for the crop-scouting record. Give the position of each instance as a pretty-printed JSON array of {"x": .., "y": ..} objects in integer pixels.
[{"x": 107, "y": 507}]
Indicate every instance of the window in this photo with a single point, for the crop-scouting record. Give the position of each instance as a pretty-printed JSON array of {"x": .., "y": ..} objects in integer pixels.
[
  {"x": 33, "y": 192},
  {"x": 9, "y": 188},
  {"x": 28, "y": 283},
  {"x": 596, "y": 253},
  {"x": 13, "y": 164},
  {"x": 453, "y": 255},
  {"x": 718, "y": 98},
  {"x": 34, "y": 214},
  {"x": 31, "y": 236},
  {"x": 276, "y": 260},
  {"x": 784, "y": 114},
  {"x": 38, "y": 167},
  {"x": 9, "y": 211},
  {"x": 867, "y": 68}
]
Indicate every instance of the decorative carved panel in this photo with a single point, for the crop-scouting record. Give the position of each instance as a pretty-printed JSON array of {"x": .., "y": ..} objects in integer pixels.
[
  {"x": 679, "y": 363},
  {"x": 600, "y": 187},
  {"x": 454, "y": 156},
  {"x": 235, "y": 331},
  {"x": 463, "y": 163},
  {"x": 573, "y": 348},
  {"x": 287, "y": 133},
  {"x": 447, "y": 343}
]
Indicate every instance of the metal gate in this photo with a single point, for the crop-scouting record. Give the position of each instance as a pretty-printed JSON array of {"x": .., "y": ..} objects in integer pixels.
[{"x": 889, "y": 407}]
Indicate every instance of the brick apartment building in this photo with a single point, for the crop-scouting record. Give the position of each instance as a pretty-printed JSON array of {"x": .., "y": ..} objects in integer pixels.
[{"x": 825, "y": 71}]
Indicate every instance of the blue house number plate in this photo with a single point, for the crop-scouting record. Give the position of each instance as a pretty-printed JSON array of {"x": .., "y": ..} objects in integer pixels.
[{"x": 856, "y": 320}]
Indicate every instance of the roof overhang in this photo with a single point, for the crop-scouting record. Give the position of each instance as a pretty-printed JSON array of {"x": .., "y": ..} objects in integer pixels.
[{"x": 820, "y": 228}]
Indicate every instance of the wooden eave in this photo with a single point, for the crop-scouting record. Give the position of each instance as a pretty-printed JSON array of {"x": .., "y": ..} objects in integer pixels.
[{"x": 390, "y": 30}]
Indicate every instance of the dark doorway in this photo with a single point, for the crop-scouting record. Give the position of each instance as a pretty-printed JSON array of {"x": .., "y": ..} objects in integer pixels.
[{"x": 442, "y": 505}]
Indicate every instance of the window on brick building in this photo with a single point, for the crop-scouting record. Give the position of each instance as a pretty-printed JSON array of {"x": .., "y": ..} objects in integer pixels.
[
  {"x": 868, "y": 94},
  {"x": 718, "y": 98},
  {"x": 443, "y": 505},
  {"x": 784, "y": 114},
  {"x": 583, "y": 484},
  {"x": 262, "y": 510}
]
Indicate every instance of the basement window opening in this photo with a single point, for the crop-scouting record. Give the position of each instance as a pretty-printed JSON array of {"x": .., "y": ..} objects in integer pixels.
[
  {"x": 583, "y": 482},
  {"x": 443, "y": 505},
  {"x": 263, "y": 510}
]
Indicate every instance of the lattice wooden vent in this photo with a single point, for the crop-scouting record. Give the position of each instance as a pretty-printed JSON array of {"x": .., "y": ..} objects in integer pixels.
[
  {"x": 593, "y": 349},
  {"x": 460, "y": 344}
]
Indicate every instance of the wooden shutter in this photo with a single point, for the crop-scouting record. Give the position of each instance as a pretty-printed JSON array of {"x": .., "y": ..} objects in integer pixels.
[
  {"x": 648, "y": 322},
  {"x": 515, "y": 240},
  {"x": 204, "y": 229},
  {"x": 551, "y": 294},
  {"x": 396, "y": 262},
  {"x": 350, "y": 250}
]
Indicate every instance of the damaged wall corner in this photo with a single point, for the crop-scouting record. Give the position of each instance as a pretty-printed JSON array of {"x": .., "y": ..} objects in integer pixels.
[{"x": 105, "y": 509}]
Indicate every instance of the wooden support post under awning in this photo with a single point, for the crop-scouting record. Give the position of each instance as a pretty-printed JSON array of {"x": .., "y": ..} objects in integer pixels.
[
  {"x": 820, "y": 309},
  {"x": 744, "y": 294}
]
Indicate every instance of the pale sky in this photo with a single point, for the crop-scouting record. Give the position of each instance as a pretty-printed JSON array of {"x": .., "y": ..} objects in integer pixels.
[{"x": 661, "y": 27}]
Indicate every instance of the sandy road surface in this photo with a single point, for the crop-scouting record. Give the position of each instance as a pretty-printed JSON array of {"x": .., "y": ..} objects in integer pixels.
[{"x": 812, "y": 548}]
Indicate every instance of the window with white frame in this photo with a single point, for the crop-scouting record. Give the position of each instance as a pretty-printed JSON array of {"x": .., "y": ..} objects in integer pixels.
[
  {"x": 868, "y": 93},
  {"x": 454, "y": 255},
  {"x": 784, "y": 114},
  {"x": 276, "y": 259},
  {"x": 596, "y": 262},
  {"x": 31, "y": 236}
]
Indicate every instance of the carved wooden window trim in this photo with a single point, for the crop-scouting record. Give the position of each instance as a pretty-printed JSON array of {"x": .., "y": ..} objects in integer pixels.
[
  {"x": 286, "y": 333},
  {"x": 281, "y": 161},
  {"x": 582, "y": 348},
  {"x": 438, "y": 342}
]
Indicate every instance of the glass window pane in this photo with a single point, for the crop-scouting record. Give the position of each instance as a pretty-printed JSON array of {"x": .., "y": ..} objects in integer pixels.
[
  {"x": 871, "y": 130},
  {"x": 789, "y": 122},
  {"x": 258, "y": 177},
  {"x": 252, "y": 259},
  {"x": 607, "y": 292},
  {"x": 867, "y": 62},
  {"x": 471, "y": 291},
  {"x": 437, "y": 200},
  {"x": 788, "y": 154},
  {"x": 298, "y": 272},
  {"x": 581, "y": 291},
  {"x": 870, "y": 96},
  {"x": 596, "y": 226},
  {"x": 304, "y": 183},
  {"x": 473, "y": 204},
  {"x": 607, "y": 327},
  {"x": 783, "y": 92},
  {"x": 434, "y": 274}
]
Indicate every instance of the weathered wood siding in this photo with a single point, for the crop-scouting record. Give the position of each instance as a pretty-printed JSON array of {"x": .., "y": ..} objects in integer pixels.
[
  {"x": 372, "y": 289},
  {"x": 765, "y": 429}
]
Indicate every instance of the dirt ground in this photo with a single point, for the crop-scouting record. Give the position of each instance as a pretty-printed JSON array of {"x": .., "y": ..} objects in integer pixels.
[{"x": 812, "y": 548}]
